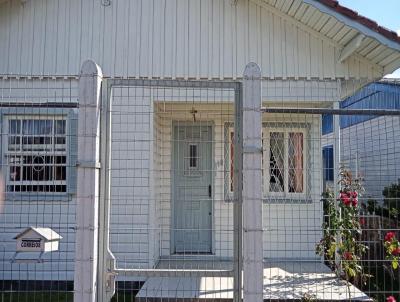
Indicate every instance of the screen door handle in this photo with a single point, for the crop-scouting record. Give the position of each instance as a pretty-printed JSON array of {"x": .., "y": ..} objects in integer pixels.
[{"x": 209, "y": 191}]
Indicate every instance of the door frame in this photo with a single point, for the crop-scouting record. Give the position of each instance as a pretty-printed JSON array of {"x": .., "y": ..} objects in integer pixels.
[{"x": 187, "y": 123}]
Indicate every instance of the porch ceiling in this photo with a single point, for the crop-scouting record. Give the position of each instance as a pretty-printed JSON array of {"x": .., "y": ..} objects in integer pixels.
[{"x": 353, "y": 33}]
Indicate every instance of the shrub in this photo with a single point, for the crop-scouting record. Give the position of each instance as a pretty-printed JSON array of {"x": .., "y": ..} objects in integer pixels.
[{"x": 392, "y": 199}]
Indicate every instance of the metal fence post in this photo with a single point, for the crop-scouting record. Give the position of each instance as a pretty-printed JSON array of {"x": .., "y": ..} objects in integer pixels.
[
  {"x": 252, "y": 186},
  {"x": 86, "y": 249},
  {"x": 237, "y": 206},
  {"x": 336, "y": 163}
]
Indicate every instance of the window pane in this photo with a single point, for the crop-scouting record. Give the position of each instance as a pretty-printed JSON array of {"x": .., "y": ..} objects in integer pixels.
[
  {"x": 327, "y": 123},
  {"x": 13, "y": 143},
  {"x": 14, "y": 127},
  {"x": 44, "y": 127},
  {"x": 327, "y": 155},
  {"x": 15, "y": 173},
  {"x": 60, "y": 173},
  {"x": 37, "y": 127},
  {"x": 192, "y": 156},
  {"x": 276, "y": 162},
  {"x": 295, "y": 160},
  {"x": 59, "y": 127},
  {"x": 27, "y": 127}
]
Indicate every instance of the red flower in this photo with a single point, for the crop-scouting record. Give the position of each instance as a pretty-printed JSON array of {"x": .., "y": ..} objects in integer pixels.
[
  {"x": 362, "y": 221},
  {"x": 354, "y": 201},
  {"x": 347, "y": 256},
  {"x": 345, "y": 198},
  {"x": 396, "y": 251},
  {"x": 354, "y": 194},
  {"x": 389, "y": 237},
  {"x": 390, "y": 299}
]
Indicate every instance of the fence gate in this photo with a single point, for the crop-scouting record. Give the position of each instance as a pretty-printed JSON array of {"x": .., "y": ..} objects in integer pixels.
[{"x": 170, "y": 214}]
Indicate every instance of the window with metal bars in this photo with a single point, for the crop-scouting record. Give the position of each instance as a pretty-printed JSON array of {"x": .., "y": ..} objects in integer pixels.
[
  {"x": 36, "y": 154},
  {"x": 284, "y": 161}
]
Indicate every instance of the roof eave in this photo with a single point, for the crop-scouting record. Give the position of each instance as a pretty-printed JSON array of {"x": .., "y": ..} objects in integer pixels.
[{"x": 354, "y": 24}]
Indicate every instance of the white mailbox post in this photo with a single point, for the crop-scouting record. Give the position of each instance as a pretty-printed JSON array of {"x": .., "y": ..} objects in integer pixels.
[{"x": 39, "y": 240}]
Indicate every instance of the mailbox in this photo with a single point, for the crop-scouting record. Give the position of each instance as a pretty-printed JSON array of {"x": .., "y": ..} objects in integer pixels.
[{"x": 37, "y": 240}]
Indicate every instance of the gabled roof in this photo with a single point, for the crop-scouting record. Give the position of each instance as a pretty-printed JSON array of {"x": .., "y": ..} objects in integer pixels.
[
  {"x": 46, "y": 233},
  {"x": 353, "y": 33}
]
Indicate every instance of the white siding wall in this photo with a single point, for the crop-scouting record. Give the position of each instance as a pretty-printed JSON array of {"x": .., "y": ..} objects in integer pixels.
[
  {"x": 166, "y": 38},
  {"x": 57, "y": 213},
  {"x": 132, "y": 216},
  {"x": 18, "y": 215}
]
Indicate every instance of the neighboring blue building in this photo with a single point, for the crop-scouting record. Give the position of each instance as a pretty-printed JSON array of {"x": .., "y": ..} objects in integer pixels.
[{"x": 370, "y": 145}]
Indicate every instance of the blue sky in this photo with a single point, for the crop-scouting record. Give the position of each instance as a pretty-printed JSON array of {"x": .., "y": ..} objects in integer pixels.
[{"x": 385, "y": 12}]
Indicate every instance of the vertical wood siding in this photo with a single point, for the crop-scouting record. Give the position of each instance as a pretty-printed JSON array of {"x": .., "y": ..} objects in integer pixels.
[{"x": 167, "y": 39}]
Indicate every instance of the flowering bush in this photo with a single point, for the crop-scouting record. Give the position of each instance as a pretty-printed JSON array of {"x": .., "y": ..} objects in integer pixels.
[
  {"x": 390, "y": 299},
  {"x": 392, "y": 247},
  {"x": 340, "y": 244}
]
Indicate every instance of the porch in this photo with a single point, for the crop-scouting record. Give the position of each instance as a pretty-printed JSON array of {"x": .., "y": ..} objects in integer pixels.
[
  {"x": 284, "y": 280},
  {"x": 205, "y": 130}
]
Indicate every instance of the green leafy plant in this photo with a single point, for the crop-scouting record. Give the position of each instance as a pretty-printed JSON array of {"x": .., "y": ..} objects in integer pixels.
[
  {"x": 340, "y": 244},
  {"x": 392, "y": 199},
  {"x": 372, "y": 206}
]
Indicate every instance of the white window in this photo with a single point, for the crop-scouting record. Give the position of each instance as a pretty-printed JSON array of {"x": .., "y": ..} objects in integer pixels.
[
  {"x": 284, "y": 162},
  {"x": 36, "y": 154}
]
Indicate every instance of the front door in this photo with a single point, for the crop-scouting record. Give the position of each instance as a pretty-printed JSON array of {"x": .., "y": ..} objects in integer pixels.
[{"x": 192, "y": 189}]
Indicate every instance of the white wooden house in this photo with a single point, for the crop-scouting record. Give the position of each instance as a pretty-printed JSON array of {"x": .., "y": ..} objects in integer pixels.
[{"x": 307, "y": 49}]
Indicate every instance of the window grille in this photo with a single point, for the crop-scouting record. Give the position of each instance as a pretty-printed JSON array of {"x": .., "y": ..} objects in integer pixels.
[{"x": 36, "y": 154}]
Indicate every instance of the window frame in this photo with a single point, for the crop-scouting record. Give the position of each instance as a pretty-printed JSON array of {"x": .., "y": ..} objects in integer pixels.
[
  {"x": 70, "y": 116},
  {"x": 268, "y": 127},
  {"x": 266, "y": 131}
]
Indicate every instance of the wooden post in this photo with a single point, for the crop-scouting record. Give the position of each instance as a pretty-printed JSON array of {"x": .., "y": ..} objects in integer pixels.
[
  {"x": 252, "y": 186},
  {"x": 86, "y": 241}
]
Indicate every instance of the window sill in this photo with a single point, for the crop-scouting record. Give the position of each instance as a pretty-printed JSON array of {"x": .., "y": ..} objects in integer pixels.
[
  {"x": 15, "y": 197},
  {"x": 278, "y": 200},
  {"x": 287, "y": 200}
]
